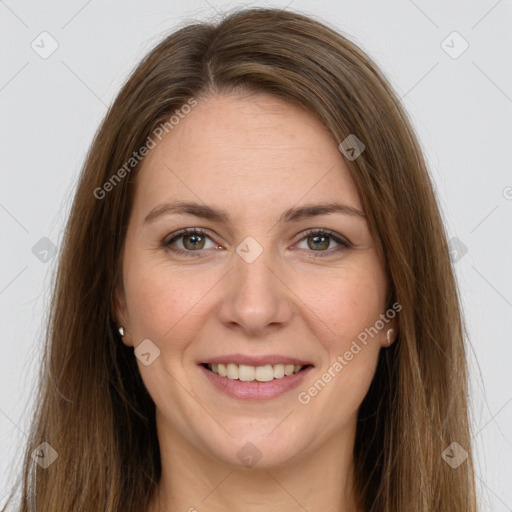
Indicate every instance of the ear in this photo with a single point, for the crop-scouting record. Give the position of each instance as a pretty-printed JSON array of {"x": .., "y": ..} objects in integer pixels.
[
  {"x": 391, "y": 323},
  {"x": 120, "y": 314}
]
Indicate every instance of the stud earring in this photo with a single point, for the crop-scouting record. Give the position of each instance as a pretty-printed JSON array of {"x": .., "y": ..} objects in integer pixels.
[
  {"x": 388, "y": 336},
  {"x": 121, "y": 331}
]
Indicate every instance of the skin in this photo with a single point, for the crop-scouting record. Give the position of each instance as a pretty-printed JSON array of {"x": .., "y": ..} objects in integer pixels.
[{"x": 254, "y": 156}]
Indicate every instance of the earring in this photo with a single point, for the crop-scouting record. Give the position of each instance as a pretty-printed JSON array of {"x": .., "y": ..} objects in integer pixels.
[
  {"x": 121, "y": 331},
  {"x": 388, "y": 336}
]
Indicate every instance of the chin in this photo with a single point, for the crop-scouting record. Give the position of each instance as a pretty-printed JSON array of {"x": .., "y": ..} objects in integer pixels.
[{"x": 263, "y": 451}]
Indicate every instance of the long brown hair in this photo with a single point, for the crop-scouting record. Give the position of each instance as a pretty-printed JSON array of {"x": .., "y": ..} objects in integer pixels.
[{"x": 93, "y": 408}]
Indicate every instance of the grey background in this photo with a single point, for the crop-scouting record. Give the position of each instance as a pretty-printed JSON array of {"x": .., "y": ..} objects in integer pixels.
[{"x": 461, "y": 107}]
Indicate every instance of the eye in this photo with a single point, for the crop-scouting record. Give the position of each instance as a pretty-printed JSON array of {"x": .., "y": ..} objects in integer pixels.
[
  {"x": 192, "y": 240},
  {"x": 319, "y": 240}
]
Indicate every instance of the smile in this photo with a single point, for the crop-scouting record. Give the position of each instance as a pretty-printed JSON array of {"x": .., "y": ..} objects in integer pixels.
[{"x": 247, "y": 373}]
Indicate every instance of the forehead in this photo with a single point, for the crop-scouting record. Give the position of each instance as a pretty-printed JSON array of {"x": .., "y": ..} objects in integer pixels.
[{"x": 259, "y": 150}]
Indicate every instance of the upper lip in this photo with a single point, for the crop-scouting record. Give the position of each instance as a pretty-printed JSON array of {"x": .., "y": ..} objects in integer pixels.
[{"x": 255, "y": 360}]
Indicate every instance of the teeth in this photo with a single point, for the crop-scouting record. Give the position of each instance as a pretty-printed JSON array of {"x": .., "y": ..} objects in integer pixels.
[
  {"x": 247, "y": 373},
  {"x": 264, "y": 373},
  {"x": 279, "y": 370}
]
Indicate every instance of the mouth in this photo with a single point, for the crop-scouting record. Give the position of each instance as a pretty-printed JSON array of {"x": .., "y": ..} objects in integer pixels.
[
  {"x": 248, "y": 373},
  {"x": 255, "y": 377}
]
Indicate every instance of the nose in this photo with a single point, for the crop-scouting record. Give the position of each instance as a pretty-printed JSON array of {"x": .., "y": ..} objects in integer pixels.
[{"x": 256, "y": 299}]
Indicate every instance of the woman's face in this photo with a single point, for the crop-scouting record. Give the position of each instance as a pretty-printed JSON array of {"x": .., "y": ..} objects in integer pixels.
[{"x": 258, "y": 292}]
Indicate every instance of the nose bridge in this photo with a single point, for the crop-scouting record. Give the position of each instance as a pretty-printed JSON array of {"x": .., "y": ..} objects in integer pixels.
[
  {"x": 252, "y": 272},
  {"x": 253, "y": 263}
]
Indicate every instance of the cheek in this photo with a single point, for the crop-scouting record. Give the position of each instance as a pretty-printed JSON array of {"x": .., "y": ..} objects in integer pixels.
[
  {"x": 344, "y": 304},
  {"x": 343, "y": 322},
  {"x": 159, "y": 295}
]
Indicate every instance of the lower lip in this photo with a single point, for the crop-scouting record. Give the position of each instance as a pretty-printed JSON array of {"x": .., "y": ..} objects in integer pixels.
[{"x": 255, "y": 390}]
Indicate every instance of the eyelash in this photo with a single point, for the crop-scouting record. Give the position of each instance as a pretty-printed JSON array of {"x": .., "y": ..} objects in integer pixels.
[{"x": 343, "y": 244}]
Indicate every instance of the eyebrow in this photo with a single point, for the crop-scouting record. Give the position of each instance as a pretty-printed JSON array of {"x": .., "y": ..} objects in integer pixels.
[{"x": 290, "y": 215}]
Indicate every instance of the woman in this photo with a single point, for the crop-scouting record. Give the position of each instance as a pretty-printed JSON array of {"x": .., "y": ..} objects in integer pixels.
[{"x": 255, "y": 307}]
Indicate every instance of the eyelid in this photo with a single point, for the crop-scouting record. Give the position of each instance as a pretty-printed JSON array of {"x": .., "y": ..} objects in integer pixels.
[
  {"x": 166, "y": 242},
  {"x": 339, "y": 239}
]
